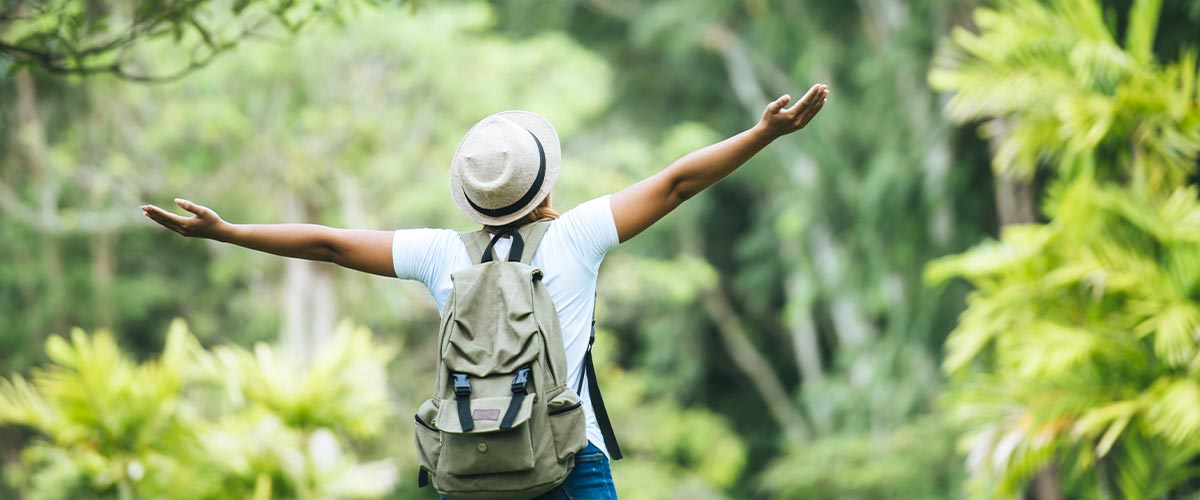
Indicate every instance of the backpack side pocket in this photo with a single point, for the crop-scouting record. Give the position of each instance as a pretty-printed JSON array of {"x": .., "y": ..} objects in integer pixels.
[
  {"x": 568, "y": 424},
  {"x": 429, "y": 440}
]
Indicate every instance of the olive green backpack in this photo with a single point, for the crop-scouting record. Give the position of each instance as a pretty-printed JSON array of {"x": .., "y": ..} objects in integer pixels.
[{"x": 503, "y": 422}]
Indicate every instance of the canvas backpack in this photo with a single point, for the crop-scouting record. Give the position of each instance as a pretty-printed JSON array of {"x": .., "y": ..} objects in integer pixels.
[{"x": 503, "y": 422}]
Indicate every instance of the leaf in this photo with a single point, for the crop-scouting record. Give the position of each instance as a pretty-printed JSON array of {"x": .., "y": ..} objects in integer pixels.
[
  {"x": 1045, "y": 349},
  {"x": 21, "y": 404},
  {"x": 1112, "y": 419},
  {"x": 1175, "y": 330},
  {"x": 1174, "y": 411},
  {"x": 60, "y": 351},
  {"x": 1143, "y": 23}
]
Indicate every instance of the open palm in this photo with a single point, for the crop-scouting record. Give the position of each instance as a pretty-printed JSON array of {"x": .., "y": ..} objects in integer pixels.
[
  {"x": 204, "y": 224},
  {"x": 778, "y": 121}
]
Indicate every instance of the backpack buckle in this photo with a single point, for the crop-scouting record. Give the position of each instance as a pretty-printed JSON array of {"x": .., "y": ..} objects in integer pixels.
[
  {"x": 462, "y": 386},
  {"x": 520, "y": 383}
]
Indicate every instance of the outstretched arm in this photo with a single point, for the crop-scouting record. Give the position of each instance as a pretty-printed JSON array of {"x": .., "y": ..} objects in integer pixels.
[
  {"x": 641, "y": 205},
  {"x": 361, "y": 250}
]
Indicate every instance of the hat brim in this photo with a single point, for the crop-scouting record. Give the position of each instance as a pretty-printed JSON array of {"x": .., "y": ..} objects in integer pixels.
[{"x": 552, "y": 148}]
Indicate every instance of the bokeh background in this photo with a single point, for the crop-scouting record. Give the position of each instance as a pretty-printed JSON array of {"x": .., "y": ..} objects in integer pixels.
[{"x": 975, "y": 274}]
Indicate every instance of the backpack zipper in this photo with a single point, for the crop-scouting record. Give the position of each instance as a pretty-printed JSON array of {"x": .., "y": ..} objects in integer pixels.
[
  {"x": 423, "y": 424},
  {"x": 564, "y": 410}
]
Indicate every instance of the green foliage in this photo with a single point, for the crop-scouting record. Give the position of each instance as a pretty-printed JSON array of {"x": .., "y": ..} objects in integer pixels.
[
  {"x": 671, "y": 451},
  {"x": 264, "y": 134},
  {"x": 200, "y": 424},
  {"x": 1078, "y": 348},
  {"x": 1081, "y": 343},
  {"x": 80, "y": 37},
  {"x": 854, "y": 466},
  {"x": 822, "y": 234},
  {"x": 1054, "y": 87}
]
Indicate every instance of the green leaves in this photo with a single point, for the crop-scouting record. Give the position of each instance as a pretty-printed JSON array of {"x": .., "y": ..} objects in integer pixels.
[
  {"x": 343, "y": 388},
  {"x": 1139, "y": 36},
  {"x": 74, "y": 37},
  {"x": 1093, "y": 328},
  {"x": 1054, "y": 88},
  {"x": 204, "y": 425},
  {"x": 1080, "y": 341}
]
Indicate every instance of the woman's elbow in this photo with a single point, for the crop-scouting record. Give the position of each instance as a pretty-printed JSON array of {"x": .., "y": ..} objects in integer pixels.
[{"x": 681, "y": 191}]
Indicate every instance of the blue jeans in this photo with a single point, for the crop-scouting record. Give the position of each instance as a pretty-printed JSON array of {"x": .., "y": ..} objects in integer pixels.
[{"x": 591, "y": 479}]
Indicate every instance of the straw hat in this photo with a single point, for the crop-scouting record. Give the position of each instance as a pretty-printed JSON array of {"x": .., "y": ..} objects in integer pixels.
[{"x": 505, "y": 167}]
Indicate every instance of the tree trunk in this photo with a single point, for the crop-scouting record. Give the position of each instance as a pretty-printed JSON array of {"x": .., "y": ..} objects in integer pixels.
[
  {"x": 1047, "y": 485},
  {"x": 803, "y": 329},
  {"x": 309, "y": 300},
  {"x": 1016, "y": 201},
  {"x": 103, "y": 270},
  {"x": 31, "y": 140}
]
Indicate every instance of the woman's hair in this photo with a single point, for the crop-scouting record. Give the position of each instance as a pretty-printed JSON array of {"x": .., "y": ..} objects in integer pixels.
[{"x": 543, "y": 212}]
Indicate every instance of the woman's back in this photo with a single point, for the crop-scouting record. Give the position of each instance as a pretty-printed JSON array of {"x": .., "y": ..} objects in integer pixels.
[{"x": 569, "y": 257}]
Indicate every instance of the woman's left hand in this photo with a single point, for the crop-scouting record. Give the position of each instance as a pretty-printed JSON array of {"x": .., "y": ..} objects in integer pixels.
[{"x": 777, "y": 121}]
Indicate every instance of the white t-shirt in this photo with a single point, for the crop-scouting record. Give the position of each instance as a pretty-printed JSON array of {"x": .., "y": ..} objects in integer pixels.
[{"x": 569, "y": 256}]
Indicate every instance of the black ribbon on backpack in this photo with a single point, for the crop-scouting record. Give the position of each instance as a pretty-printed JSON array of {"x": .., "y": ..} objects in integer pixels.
[
  {"x": 514, "y": 253},
  {"x": 462, "y": 390},
  {"x": 520, "y": 388}
]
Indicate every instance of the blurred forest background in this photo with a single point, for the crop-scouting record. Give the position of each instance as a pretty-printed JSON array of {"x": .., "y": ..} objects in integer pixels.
[{"x": 975, "y": 274}]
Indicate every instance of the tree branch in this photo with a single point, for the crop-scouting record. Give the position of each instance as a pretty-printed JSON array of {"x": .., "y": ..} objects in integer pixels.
[
  {"x": 69, "y": 60},
  {"x": 91, "y": 222},
  {"x": 755, "y": 366}
]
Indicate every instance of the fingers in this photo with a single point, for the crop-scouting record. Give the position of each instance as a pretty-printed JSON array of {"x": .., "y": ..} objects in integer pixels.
[
  {"x": 806, "y": 101},
  {"x": 163, "y": 218},
  {"x": 812, "y": 112},
  {"x": 778, "y": 104},
  {"x": 192, "y": 207},
  {"x": 807, "y": 110}
]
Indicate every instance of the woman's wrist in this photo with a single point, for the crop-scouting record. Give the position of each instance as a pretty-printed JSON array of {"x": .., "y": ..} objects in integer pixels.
[
  {"x": 763, "y": 134},
  {"x": 225, "y": 232}
]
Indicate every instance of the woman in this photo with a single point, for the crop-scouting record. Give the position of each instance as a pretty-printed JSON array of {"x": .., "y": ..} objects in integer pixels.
[{"x": 501, "y": 176}]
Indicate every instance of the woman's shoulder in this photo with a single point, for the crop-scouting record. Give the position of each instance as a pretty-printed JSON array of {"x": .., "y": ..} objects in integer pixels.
[
  {"x": 588, "y": 229},
  {"x": 427, "y": 241}
]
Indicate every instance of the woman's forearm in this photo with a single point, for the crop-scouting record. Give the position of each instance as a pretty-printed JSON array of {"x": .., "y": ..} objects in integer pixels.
[
  {"x": 638, "y": 206},
  {"x": 702, "y": 168},
  {"x": 301, "y": 241},
  {"x": 358, "y": 249}
]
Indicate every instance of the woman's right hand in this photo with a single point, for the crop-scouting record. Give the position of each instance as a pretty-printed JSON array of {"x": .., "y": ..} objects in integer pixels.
[{"x": 205, "y": 224}]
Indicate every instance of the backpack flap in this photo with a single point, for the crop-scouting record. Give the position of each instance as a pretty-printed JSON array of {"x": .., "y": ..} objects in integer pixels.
[{"x": 486, "y": 448}]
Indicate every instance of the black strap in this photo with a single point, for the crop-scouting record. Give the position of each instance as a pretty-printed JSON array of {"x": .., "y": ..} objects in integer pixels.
[
  {"x": 531, "y": 235},
  {"x": 514, "y": 253},
  {"x": 462, "y": 390},
  {"x": 422, "y": 478},
  {"x": 589, "y": 371},
  {"x": 520, "y": 387}
]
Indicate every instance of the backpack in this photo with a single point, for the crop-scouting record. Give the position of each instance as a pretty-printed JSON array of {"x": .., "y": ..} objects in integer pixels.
[{"x": 503, "y": 422}]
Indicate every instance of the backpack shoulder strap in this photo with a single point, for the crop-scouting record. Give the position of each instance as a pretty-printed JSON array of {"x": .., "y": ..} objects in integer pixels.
[
  {"x": 532, "y": 235},
  {"x": 589, "y": 373},
  {"x": 476, "y": 242}
]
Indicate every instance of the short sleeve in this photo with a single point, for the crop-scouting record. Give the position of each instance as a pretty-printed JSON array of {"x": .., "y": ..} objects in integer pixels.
[
  {"x": 423, "y": 254},
  {"x": 590, "y": 229}
]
